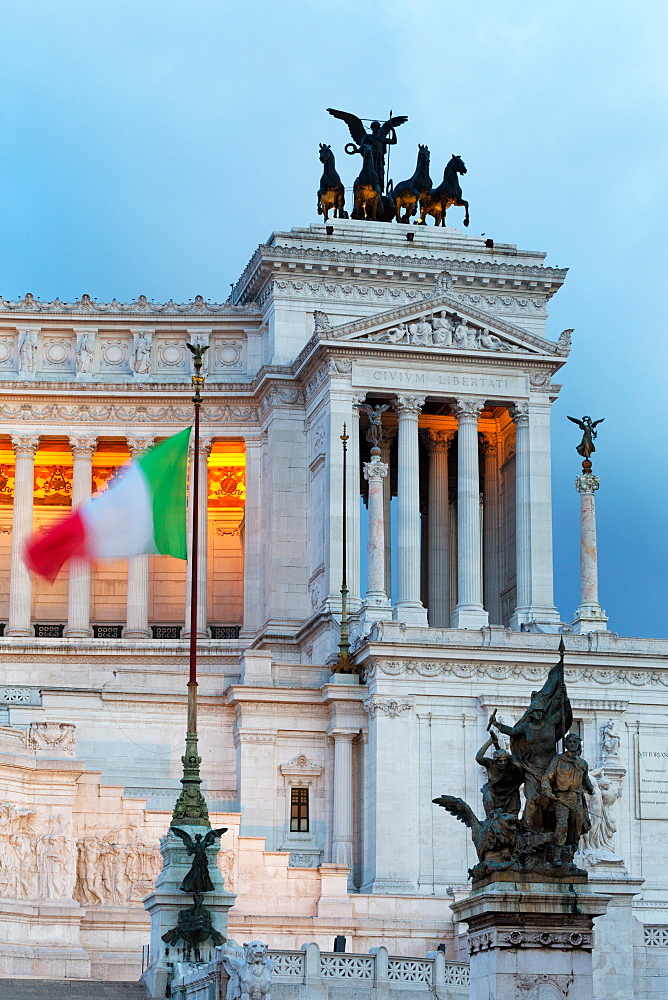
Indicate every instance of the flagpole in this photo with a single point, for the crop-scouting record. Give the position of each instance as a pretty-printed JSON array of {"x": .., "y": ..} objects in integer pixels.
[{"x": 191, "y": 807}]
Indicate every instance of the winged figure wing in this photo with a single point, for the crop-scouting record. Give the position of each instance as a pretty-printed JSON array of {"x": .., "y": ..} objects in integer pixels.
[
  {"x": 355, "y": 126},
  {"x": 393, "y": 123},
  {"x": 460, "y": 810},
  {"x": 597, "y": 422},
  {"x": 364, "y": 408},
  {"x": 578, "y": 422},
  {"x": 212, "y": 835},
  {"x": 185, "y": 837}
]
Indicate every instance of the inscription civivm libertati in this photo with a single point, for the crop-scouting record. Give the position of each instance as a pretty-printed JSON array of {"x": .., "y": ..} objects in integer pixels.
[
  {"x": 430, "y": 380},
  {"x": 653, "y": 776}
]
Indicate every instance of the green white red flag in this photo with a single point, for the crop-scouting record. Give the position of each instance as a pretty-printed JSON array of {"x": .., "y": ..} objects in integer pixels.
[{"x": 143, "y": 511}]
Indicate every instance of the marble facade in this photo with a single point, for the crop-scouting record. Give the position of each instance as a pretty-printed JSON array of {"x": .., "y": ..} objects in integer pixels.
[{"x": 460, "y": 615}]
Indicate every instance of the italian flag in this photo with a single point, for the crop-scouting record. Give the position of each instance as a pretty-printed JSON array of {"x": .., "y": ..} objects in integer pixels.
[{"x": 143, "y": 511}]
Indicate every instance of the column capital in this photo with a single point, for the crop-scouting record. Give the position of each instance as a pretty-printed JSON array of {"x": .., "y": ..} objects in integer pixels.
[
  {"x": 359, "y": 396},
  {"x": 205, "y": 445},
  {"x": 587, "y": 483},
  {"x": 138, "y": 445},
  {"x": 468, "y": 408},
  {"x": 83, "y": 447},
  {"x": 388, "y": 436},
  {"x": 520, "y": 414},
  {"x": 437, "y": 441},
  {"x": 25, "y": 445},
  {"x": 488, "y": 445},
  {"x": 409, "y": 404},
  {"x": 375, "y": 470},
  {"x": 343, "y": 735}
]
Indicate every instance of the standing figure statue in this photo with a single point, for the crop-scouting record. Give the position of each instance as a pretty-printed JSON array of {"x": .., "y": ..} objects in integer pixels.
[
  {"x": 378, "y": 139},
  {"x": 198, "y": 878},
  {"x": 565, "y": 781},
  {"x": 84, "y": 353},
  {"x": 505, "y": 774},
  {"x": 375, "y": 415},
  {"x": 587, "y": 425},
  {"x": 534, "y": 738}
]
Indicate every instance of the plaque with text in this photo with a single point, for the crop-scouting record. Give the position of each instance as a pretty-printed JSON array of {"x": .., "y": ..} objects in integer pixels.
[
  {"x": 400, "y": 378},
  {"x": 653, "y": 776}
]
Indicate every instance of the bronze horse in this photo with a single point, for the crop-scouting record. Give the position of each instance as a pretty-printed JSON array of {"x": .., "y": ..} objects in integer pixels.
[
  {"x": 366, "y": 189},
  {"x": 331, "y": 194},
  {"x": 407, "y": 194},
  {"x": 448, "y": 193}
]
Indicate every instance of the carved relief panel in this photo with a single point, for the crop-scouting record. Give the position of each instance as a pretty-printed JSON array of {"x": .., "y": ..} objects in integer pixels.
[
  {"x": 115, "y": 355},
  {"x": 227, "y": 354},
  {"x": 170, "y": 355},
  {"x": 56, "y": 354},
  {"x": 8, "y": 353}
]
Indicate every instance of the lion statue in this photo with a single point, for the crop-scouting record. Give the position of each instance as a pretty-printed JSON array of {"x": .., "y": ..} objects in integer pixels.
[{"x": 250, "y": 976}]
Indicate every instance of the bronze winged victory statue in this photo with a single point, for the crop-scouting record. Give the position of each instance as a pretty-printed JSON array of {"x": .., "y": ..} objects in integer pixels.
[{"x": 379, "y": 138}]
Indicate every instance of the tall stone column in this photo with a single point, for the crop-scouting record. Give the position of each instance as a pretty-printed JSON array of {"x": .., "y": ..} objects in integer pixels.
[
  {"x": 342, "y": 815},
  {"x": 353, "y": 505},
  {"x": 203, "y": 541},
  {"x": 533, "y": 516},
  {"x": 254, "y": 556},
  {"x": 490, "y": 526},
  {"x": 589, "y": 617},
  {"x": 136, "y": 622},
  {"x": 389, "y": 434},
  {"x": 469, "y": 612},
  {"x": 438, "y": 446},
  {"x": 375, "y": 473},
  {"x": 20, "y": 581},
  {"x": 78, "y": 596},
  {"x": 409, "y": 608},
  {"x": 520, "y": 415}
]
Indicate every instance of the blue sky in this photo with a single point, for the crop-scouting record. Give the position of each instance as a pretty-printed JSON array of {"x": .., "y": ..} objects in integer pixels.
[{"x": 147, "y": 147}]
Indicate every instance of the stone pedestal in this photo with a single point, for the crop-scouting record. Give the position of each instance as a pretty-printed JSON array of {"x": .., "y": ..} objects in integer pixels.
[
  {"x": 166, "y": 901},
  {"x": 531, "y": 939}
]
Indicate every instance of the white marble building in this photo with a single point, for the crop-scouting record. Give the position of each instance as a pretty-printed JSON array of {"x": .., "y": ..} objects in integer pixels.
[{"x": 326, "y": 783}]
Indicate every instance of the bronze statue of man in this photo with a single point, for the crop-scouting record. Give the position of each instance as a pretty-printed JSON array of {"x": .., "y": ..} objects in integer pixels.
[
  {"x": 565, "y": 782},
  {"x": 379, "y": 138},
  {"x": 505, "y": 774}
]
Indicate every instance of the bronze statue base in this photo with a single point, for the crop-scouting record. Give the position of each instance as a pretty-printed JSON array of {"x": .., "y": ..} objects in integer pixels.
[{"x": 574, "y": 876}]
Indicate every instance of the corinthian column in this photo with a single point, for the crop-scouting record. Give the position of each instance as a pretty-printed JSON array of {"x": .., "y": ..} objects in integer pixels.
[
  {"x": 469, "y": 612},
  {"x": 590, "y": 616},
  {"x": 520, "y": 415},
  {"x": 438, "y": 446},
  {"x": 490, "y": 546},
  {"x": 78, "y": 596},
  {"x": 409, "y": 608},
  {"x": 136, "y": 622},
  {"x": 389, "y": 434},
  {"x": 20, "y": 581},
  {"x": 342, "y": 813},
  {"x": 203, "y": 541}
]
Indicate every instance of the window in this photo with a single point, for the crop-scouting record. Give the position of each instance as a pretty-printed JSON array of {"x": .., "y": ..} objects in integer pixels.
[{"x": 299, "y": 810}]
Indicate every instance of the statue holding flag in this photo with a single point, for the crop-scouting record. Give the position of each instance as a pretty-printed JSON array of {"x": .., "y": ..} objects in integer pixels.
[{"x": 544, "y": 839}]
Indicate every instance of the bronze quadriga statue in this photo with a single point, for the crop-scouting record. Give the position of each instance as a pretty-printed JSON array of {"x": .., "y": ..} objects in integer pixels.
[{"x": 331, "y": 193}]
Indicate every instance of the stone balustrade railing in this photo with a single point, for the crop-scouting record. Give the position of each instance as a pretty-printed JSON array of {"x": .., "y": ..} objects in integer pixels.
[{"x": 378, "y": 971}]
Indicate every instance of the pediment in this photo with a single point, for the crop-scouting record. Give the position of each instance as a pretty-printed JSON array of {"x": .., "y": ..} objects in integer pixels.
[{"x": 440, "y": 322}]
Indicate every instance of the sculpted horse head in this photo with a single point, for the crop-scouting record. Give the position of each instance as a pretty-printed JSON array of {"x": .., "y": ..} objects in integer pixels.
[{"x": 325, "y": 153}]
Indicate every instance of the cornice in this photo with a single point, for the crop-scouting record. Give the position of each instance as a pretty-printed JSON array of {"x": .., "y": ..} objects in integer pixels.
[
  {"x": 141, "y": 306},
  {"x": 548, "y": 279}
]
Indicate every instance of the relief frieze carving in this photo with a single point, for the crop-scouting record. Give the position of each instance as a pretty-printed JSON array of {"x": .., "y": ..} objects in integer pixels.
[
  {"x": 112, "y": 413},
  {"x": 503, "y": 671}
]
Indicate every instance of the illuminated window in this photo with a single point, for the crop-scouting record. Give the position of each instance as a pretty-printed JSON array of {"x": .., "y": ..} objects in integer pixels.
[{"x": 299, "y": 810}]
